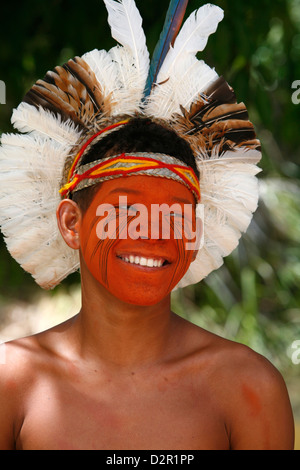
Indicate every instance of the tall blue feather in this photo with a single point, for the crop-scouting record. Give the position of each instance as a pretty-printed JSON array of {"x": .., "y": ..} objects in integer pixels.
[{"x": 174, "y": 18}]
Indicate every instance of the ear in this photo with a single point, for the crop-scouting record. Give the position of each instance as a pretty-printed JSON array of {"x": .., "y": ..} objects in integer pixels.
[{"x": 69, "y": 222}]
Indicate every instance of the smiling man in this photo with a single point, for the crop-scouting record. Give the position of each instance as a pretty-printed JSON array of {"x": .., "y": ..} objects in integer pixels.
[{"x": 118, "y": 169}]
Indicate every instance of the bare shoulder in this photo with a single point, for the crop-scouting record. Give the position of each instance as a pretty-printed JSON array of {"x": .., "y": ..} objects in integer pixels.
[
  {"x": 230, "y": 360},
  {"x": 20, "y": 362},
  {"x": 23, "y": 363},
  {"x": 247, "y": 370},
  {"x": 24, "y": 358},
  {"x": 253, "y": 396},
  {"x": 17, "y": 355},
  {"x": 17, "y": 373},
  {"x": 249, "y": 392},
  {"x": 261, "y": 413}
]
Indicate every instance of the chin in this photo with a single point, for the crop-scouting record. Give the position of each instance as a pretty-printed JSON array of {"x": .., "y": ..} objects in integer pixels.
[{"x": 142, "y": 298}]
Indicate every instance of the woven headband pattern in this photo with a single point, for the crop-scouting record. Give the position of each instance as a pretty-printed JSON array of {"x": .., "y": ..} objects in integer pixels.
[
  {"x": 97, "y": 136},
  {"x": 139, "y": 163}
]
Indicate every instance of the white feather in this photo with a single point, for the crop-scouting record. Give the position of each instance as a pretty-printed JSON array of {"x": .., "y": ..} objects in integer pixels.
[
  {"x": 130, "y": 85},
  {"x": 118, "y": 77},
  {"x": 27, "y": 118},
  {"x": 182, "y": 76},
  {"x": 229, "y": 194},
  {"x": 104, "y": 69},
  {"x": 30, "y": 177},
  {"x": 188, "y": 79},
  {"x": 126, "y": 28},
  {"x": 192, "y": 38}
]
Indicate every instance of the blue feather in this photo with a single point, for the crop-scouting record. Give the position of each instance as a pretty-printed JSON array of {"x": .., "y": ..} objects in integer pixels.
[{"x": 174, "y": 18}]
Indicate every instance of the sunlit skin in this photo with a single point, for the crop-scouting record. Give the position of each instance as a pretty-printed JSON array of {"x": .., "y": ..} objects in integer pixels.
[{"x": 126, "y": 372}]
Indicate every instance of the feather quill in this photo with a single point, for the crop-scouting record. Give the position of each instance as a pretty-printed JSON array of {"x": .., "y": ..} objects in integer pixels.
[{"x": 173, "y": 21}]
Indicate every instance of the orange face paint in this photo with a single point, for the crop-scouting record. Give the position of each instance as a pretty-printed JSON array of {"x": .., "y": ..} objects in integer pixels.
[{"x": 112, "y": 260}]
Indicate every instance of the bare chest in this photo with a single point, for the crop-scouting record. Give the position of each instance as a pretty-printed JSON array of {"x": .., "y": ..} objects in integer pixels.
[{"x": 122, "y": 416}]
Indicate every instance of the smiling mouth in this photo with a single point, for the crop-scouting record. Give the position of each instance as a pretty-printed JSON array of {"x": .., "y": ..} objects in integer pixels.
[{"x": 145, "y": 262}]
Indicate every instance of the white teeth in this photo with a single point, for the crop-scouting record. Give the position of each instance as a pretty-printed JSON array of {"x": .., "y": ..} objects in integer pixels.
[{"x": 149, "y": 262}]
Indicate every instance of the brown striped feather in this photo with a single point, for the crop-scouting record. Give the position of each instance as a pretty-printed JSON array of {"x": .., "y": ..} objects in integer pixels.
[
  {"x": 72, "y": 91},
  {"x": 216, "y": 119}
]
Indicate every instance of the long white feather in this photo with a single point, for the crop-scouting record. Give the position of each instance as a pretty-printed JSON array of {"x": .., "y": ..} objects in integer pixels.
[
  {"x": 182, "y": 76},
  {"x": 193, "y": 37},
  {"x": 122, "y": 72},
  {"x": 126, "y": 28}
]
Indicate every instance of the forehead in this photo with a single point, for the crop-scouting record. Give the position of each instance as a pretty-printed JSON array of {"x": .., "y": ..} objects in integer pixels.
[{"x": 148, "y": 189}]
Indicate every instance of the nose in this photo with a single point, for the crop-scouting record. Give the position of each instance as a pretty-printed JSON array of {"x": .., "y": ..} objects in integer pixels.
[{"x": 148, "y": 226}]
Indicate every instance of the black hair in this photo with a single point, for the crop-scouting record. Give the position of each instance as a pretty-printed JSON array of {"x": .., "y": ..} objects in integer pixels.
[{"x": 139, "y": 135}]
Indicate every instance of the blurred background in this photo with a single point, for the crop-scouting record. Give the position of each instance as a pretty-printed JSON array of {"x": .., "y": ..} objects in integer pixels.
[{"x": 255, "y": 297}]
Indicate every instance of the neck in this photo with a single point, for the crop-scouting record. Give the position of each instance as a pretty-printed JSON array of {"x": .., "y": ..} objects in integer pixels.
[{"x": 117, "y": 333}]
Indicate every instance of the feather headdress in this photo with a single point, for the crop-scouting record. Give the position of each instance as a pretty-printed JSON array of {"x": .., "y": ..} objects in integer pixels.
[{"x": 86, "y": 94}]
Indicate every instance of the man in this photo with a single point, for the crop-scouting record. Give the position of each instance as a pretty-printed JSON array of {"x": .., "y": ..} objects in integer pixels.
[{"x": 127, "y": 372}]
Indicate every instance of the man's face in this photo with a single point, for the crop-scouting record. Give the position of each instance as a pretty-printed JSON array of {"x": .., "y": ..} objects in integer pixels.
[{"x": 134, "y": 237}]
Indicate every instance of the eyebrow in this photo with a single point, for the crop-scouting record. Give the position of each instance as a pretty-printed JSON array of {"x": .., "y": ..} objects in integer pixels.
[{"x": 139, "y": 193}]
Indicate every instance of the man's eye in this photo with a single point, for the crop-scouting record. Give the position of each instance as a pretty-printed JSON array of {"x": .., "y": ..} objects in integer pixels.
[
  {"x": 131, "y": 210},
  {"x": 176, "y": 214}
]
